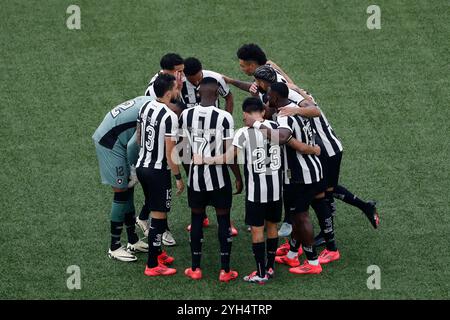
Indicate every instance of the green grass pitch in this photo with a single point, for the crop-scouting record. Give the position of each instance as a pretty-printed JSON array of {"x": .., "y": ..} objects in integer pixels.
[{"x": 386, "y": 93}]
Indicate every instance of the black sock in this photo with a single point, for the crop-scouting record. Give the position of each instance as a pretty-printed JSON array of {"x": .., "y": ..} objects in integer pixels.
[
  {"x": 130, "y": 223},
  {"x": 166, "y": 226},
  {"x": 145, "y": 212},
  {"x": 196, "y": 238},
  {"x": 154, "y": 241},
  {"x": 225, "y": 240},
  {"x": 271, "y": 247},
  {"x": 323, "y": 213},
  {"x": 294, "y": 245},
  {"x": 330, "y": 200},
  {"x": 260, "y": 257},
  {"x": 310, "y": 252},
  {"x": 116, "y": 230},
  {"x": 343, "y": 194},
  {"x": 287, "y": 218}
]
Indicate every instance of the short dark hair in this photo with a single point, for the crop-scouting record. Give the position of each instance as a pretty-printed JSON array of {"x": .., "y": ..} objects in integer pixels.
[
  {"x": 280, "y": 88},
  {"x": 252, "y": 52},
  {"x": 252, "y": 104},
  {"x": 163, "y": 83},
  {"x": 170, "y": 60},
  {"x": 209, "y": 80},
  {"x": 266, "y": 73},
  {"x": 192, "y": 66}
]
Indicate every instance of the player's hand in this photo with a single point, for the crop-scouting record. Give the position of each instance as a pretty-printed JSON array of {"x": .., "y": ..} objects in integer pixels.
[
  {"x": 288, "y": 111},
  {"x": 197, "y": 159},
  {"x": 180, "y": 187},
  {"x": 317, "y": 150},
  {"x": 253, "y": 89},
  {"x": 239, "y": 187},
  {"x": 248, "y": 120}
]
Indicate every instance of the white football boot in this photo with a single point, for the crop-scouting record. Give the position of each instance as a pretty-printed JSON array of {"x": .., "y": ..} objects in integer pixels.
[
  {"x": 133, "y": 180},
  {"x": 143, "y": 225},
  {"x": 121, "y": 254},
  {"x": 168, "y": 239},
  {"x": 139, "y": 246},
  {"x": 285, "y": 230}
]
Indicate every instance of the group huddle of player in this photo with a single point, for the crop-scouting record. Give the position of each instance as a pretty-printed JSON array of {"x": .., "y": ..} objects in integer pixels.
[{"x": 290, "y": 154}]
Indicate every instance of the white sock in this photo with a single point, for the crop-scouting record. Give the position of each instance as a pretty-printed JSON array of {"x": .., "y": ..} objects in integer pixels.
[
  {"x": 292, "y": 254},
  {"x": 314, "y": 262}
]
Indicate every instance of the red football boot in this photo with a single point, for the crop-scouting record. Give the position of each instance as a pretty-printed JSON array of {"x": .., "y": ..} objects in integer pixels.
[
  {"x": 159, "y": 270},
  {"x": 227, "y": 276},
  {"x": 284, "y": 249},
  {"x": 306, "y": 268},
  {"x": 165, "y": 259},
  {"x": 285, "y": 260},
  {"x": 195, "y": 275},
  {"x": 327, "y": 256}
]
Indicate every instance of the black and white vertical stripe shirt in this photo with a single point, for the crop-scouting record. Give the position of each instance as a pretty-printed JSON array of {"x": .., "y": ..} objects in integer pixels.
[
  {"x": 262, "y": 164},
  {"x": 328, "y": 141},
  {"x": 206, "y": 128},
  {"x": 300, "y": 168},
  {"x": 150, "y": 91},
  {"x": 157, "y": 121},
  {"x": 190, "y": 94}
]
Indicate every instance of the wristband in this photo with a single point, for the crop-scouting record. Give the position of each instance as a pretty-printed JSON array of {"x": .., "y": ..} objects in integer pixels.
[
  {"x": 178, "y": 176},
  {"x": 256, "y": 124}
]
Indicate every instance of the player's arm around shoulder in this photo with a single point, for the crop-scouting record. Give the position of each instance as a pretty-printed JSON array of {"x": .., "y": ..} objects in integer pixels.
[{"x": 306, "y": 108}]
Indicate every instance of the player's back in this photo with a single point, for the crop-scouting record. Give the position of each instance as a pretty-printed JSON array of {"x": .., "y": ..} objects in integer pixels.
[
  {"x": 157, "y": 122},
  {"x": 119, "y": 125},
  {"x": 262, "y": 163},
  {"x": 298, "y": 167},
  {"x": 206, "y": 128}
]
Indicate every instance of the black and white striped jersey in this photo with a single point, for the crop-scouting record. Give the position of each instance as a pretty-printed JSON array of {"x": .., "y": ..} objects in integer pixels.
[
  {"x": 157, "y": 121},
  {"x": 327, "y": 138},
  {"x": 280, "y": 77},
  {"x": 262, "y": 164},
  {"x": 190, "y": 94},
  {"x": 300, "y": 168},
  {"x": 206, "y": 128},
  {"x": 328, "y": 141},
  {"x": 150, "y": 91}
]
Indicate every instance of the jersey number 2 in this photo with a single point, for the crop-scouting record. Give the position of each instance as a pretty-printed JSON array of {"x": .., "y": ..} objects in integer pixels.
[{"x": 259, "y": 165}]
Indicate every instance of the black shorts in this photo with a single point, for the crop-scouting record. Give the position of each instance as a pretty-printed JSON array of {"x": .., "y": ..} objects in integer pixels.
[
  {"x": 331, "y": 168},
  {"x": 220, "y": 198},
  {"x": 256, "y": 212},
  {"x": 157, "y": 187},
  {"x": 297, "y": 197}
]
